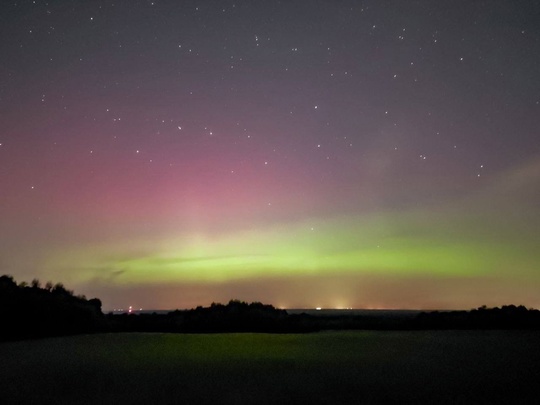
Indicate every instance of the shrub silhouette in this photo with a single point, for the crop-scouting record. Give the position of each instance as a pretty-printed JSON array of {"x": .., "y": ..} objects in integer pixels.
[
  {"x": 28, "y": 311},
  {"x": 506, "y": 317}
]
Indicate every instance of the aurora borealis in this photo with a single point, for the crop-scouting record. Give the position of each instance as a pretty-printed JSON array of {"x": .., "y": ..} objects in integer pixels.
[{"x": 366, "y": 154}]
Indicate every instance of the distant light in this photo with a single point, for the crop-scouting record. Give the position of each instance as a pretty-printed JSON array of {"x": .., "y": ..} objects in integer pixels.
[{"x": 318, "y": 308}]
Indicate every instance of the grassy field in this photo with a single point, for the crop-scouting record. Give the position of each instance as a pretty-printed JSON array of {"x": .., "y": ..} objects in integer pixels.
[{"x": 318, "y": 368}]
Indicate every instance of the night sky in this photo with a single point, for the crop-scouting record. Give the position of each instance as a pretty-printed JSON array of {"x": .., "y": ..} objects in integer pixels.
[{"x": 369, "y": 154}]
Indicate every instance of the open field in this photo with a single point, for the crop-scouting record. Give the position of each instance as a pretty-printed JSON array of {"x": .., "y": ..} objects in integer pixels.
[{"x": 318, "y": 368}]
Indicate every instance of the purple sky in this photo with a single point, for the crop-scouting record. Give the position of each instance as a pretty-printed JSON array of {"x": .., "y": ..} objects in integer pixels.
[{"x": 169, "y": 154}]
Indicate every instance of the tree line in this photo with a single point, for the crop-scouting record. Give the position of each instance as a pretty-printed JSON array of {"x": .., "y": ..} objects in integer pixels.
[{"x": 28, "y": 310}]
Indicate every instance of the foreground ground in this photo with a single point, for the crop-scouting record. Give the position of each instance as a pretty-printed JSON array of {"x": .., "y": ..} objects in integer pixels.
[{"x": 318, "y": 368}]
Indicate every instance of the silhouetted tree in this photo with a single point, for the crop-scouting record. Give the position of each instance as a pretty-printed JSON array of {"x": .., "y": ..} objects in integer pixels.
[
  {"x": 7, "y": 282},
  {"x": 96, "y": 303},
  {"x": 35, "y": 312}
]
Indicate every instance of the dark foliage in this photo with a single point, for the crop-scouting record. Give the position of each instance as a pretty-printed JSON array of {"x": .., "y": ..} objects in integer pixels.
[
  {"x": 506, "y": 317},
  {"x": 236, "y": 316},
  {"x": 29, "y": 311},
  {"x": 239, "y": 316}
]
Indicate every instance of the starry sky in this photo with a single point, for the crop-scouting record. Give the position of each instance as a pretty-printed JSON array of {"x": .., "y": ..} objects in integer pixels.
[{"x": 368, "y": 154}]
